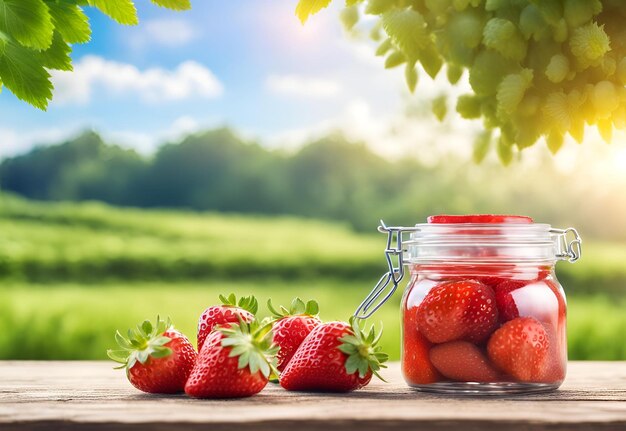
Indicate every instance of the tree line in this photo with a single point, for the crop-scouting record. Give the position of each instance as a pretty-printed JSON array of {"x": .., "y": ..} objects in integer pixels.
[{"x": 331, "y": 178}]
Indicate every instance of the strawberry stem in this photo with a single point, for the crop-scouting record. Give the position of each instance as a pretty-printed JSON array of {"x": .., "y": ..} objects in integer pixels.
[
  {"x": 364, "y": 354},
  {"x": 248, "y": 303},
  {"x": 297, "y": 308},
  {"x": 252, "y": 344},
  {"x": 146, "y": 342}
]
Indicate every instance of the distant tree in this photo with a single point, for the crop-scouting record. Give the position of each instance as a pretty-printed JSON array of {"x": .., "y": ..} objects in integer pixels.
[
  {"x": 212, "y": 170},
  {"x": 79, "y": 169}
]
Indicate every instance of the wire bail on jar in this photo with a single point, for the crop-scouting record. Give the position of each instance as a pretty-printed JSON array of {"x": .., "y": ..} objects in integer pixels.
[
  {"x": 388, "y": 282},
  {"x": 394, "y": 275}
]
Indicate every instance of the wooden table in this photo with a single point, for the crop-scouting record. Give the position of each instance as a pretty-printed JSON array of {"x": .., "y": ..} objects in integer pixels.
[{"x": 92, "y": 396}]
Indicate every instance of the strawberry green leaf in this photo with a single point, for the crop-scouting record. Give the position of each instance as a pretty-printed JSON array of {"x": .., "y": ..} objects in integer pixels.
[
  {"x": 24, "y": 74},
  {"x": 251, "y": 344},
  {"x": 248, "y": 303},
  {"x": 297, "y": 306},
  {"x": 161, "y": 352},
  {"x": 146, "y": 326},
  {"x": 123, "y": 342},
  {"x": 28, "y": 22},
  {"x": 312, "y": 308},
  {"x": 148, "y": 342},
  {"x": 118, "y": 355},
  {"x": 69, "y": 20},
  {"x": 122, "y": 11},
  {"x": 364, "y": 355},
  {"x": 173, "y": 4}
]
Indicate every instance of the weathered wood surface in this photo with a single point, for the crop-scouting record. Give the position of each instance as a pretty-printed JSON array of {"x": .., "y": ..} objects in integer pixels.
[{"x": 92, "y": 396}]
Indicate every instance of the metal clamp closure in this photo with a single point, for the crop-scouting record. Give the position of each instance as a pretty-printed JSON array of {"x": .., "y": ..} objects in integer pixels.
[
  {"x": 572, "y": 250},
  {"x": 393, "y": 276}
]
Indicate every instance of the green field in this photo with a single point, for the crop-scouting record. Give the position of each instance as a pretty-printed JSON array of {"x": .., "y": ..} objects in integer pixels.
[
  {"x": 70, "y": 274},
  {"x": 70, "y": 321}
]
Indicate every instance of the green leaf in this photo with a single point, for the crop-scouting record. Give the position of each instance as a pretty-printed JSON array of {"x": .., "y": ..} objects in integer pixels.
[
  {"x": 69, "y": 20},
  {"x": 377, "y": 7},
  {"x": 312, "y": 308},
  {"x": 555, "y": 142},
  {"x": 396, "y": 58},
  {"x": 120, "y": 356},
  {"x": 161, "y": 352},
  {"x": 146, "y": 327},
  {"x": 504, "y": 150},
  {"x": 173, "y": 4},
  {"x": 122, "y": 11},
  {"x": 349, "y": 16},
  {"x": 410, "y": 75},
  {"x": 122, "y": 342},
  {"x": 306, "y": 8},
  {"x": 482, "y": 143},
  {"x": 440, "y": 107},
  {"x": 407, "y": 30},
  {"x": 385, "y": 46},
  {"x": 431, "y": 60},
  {"x": 23, "y": 73},
  {"x": 454, "y": 73},
  {"x": 297, "y": 306},
  {"x": 28, "y": 22}
]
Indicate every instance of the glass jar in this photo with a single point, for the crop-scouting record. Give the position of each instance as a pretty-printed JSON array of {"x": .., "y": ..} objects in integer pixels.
[{"x": 483, "y": 311}]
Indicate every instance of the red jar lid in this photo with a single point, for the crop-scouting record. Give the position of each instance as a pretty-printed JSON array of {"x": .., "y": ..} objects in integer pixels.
[{"x": 478, "y": 218}]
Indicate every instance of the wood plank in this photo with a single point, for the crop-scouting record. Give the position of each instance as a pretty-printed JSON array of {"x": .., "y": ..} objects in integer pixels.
[{"x": 92, "y": 396}]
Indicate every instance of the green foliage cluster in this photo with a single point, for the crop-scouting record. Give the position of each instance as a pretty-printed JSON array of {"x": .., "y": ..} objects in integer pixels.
[
  {"x": 537, "y": 68},
  {"x": 331, "y": 178},
  {"x": 70, "y": 321},
  {"x": 37, "y": 36}
]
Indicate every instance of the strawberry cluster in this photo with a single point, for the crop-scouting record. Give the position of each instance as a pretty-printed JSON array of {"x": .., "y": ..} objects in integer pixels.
[
  {"x": 484, "y": 329},
  {"x": 238, "y": 354}
]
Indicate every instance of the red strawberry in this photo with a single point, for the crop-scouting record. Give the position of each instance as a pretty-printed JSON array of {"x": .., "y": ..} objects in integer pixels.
[
  {"x": 157, "y": 359},
  {"x": 234, "y": 362},
  {"x": 292, "y": 326},
  {"x": 557, "y": 358},
  {"x": 521, "y": 348},
  {"x": 229, "y": 312},
  {"x": 479, "y": 218},
  {"x": 507, "y": 309},
  {"x": 335, "y": 357},
  {"x": 458, "y": 310},
  {"x": 463, "y": 361},
  {"x": 416, "y": 365}
]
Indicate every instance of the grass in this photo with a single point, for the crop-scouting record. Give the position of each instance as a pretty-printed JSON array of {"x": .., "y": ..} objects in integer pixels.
[
  {"x": 86, "y": 242},
  {"x": 70, "y": 274},
  {"x": 68, "y": 321},
  {"x": 51, "y": 243}
]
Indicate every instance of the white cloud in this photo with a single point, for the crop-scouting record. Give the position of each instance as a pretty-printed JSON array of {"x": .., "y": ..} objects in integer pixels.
[
  {"x": 163, "y": 32},
  {"x": 189, "y": 80},
  {"x": 147, "y": 142},
  {"x": 13, "y": 142},
  {"x": 302, "y": 86}
]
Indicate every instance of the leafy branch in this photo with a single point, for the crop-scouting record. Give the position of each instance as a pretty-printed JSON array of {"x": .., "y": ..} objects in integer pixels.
[
  {"x": 538, "y": 69},
  {"x": 36, "y": 36}
]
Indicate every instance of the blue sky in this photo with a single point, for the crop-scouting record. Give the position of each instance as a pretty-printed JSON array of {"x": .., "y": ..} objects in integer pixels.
[
  {"x": 251, "y": 65},
  {"x": 246, "y": 63}
]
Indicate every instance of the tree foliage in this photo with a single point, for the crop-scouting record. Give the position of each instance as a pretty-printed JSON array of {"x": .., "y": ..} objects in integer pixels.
[
  {"x": 330, "y": 178},
  {"x": 537, "y": 68},
  {"x": 36, "y": 36}
]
